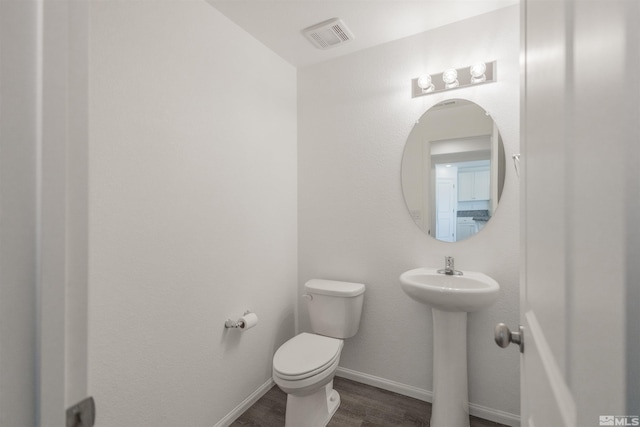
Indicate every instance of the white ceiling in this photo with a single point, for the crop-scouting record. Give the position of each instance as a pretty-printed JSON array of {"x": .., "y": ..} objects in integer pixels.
[{"x": 278, "y": 23}]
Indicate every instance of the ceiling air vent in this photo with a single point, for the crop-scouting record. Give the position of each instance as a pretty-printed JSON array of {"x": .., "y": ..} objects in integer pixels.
[{"x": 328, "y": 34}]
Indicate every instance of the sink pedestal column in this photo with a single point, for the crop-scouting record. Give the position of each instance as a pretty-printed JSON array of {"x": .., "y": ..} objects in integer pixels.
[{"x": 450, "y": 392}]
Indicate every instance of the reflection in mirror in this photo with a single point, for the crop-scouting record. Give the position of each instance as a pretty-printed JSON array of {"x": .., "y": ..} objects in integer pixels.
[{"x": 453, "y": 170}]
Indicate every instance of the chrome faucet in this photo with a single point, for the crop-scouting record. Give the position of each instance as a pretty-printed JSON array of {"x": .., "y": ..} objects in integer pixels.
[{"x": 449, "y": 268}]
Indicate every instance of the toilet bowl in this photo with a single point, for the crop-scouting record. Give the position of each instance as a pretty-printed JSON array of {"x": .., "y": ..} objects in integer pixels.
[{"x": 304, "y": 366}]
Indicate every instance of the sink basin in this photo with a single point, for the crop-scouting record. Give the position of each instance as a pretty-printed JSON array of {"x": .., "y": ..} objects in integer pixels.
[{"x": 469, "y": 292}]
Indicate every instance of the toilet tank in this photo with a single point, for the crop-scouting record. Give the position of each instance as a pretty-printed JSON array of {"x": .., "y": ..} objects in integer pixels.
[{"x": 334, "y": 307}]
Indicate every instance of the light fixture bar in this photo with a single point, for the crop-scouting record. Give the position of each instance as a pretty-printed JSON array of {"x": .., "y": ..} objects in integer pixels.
[{"x": 464, "y": 79}]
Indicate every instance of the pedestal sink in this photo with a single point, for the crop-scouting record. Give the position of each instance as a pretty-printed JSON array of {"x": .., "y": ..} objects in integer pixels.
[{"x": 451, "y": 297}]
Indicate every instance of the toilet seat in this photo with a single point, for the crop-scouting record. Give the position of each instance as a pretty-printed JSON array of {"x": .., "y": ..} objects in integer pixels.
[{"x": 306, "y": 355}]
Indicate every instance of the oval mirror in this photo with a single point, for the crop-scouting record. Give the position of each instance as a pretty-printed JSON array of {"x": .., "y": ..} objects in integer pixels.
[{"x": 453, "y": 170}]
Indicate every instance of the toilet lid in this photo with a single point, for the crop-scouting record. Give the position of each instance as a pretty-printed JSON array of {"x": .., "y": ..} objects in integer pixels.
[{"x": 305, "y": 355}]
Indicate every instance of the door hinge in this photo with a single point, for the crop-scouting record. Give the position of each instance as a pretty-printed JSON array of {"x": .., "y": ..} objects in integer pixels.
[{"x": 82, "y": 414}]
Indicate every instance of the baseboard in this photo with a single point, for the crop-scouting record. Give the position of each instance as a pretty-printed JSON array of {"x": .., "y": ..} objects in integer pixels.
[
  {"x": 245, "y": 404},
  {"x": 427, "y": 396},
  {"x": 396, "y": 387},
  {"x": 494, "y": 415}
]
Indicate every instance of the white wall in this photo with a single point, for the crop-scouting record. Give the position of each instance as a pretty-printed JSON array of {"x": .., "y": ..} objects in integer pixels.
[
  {"x": 18, "y": 213},
  {"x": 354, "y": 115},
  {"x": 192, "y": 212}
]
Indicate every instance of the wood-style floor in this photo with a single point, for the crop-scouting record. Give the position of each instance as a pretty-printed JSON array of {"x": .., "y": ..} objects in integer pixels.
[{"x": 361, "y": 406}]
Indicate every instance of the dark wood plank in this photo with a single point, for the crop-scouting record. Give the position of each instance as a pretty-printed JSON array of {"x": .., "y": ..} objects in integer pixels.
[
  {"x": 361, "y": 406},
  {"x": 268, "y": 411}
]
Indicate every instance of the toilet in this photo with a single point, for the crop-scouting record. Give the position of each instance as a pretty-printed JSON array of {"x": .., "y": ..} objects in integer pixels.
[{"x": 304, "y": 366}]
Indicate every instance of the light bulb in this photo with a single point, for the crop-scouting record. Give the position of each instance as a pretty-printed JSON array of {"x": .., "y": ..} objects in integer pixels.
[
  {"x": 424, "y": 83},
  {"x": 477, "y": 72},
  {"x": 450, "y": 78}
]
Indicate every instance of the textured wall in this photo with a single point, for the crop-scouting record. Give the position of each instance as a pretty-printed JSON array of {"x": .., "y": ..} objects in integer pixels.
[
  {"x": 192, "y": 212},
  {"x": 354, "y": 115}
]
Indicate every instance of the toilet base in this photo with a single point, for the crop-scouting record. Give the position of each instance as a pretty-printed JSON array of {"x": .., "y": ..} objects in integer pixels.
[{"x": 313, "y": 410}]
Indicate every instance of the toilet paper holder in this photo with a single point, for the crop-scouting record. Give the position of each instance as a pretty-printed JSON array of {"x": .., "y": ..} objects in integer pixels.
[{"x": 236, "y": 323}]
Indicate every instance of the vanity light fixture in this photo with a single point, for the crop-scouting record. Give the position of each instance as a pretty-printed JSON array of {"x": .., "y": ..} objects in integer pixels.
[
  {"x": 477, "y": 71},
  {"x": 453, "y": 78},
  {"x": 450, "y": 78},
  {"x": 425, "y": 83}
]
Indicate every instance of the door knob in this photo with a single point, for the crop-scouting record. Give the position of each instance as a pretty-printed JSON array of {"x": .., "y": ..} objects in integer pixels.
[{"x": 504, "y": 336}]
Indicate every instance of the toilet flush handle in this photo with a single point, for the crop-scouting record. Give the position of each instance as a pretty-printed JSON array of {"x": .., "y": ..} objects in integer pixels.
[{"x": 308, "y": 296}]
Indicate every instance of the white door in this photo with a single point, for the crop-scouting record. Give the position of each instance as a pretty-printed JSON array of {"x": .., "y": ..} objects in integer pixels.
[
  {"x": 575, "y": 260},
  {"x": 546, "y": 396},
  {"x": 445, "y": 210},
  {"x": 63, "y": 233}
]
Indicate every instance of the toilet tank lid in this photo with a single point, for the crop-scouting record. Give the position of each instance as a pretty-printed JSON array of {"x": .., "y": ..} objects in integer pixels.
[{"x": 334, "y": 288}]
